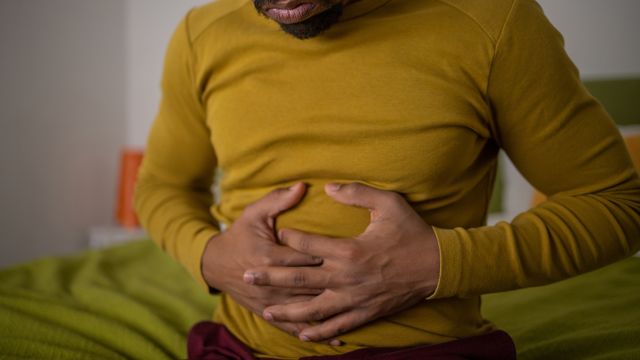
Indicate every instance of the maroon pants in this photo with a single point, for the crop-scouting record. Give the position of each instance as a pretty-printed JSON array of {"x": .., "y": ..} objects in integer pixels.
[{"x": 211, "y": 341}]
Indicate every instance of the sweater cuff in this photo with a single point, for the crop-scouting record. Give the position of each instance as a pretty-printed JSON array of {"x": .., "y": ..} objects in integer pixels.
[
  {"x": 197, "y": 250},
  {"x": 450, "y": 264}
]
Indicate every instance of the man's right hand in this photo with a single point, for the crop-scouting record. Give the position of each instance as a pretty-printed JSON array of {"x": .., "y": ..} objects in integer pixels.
[{"x": 251, "y": 242}]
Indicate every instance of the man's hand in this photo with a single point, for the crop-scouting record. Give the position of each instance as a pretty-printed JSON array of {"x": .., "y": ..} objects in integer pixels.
[
  {"x": 251, "y": 242},
  {"x": 391, "y": 266}
]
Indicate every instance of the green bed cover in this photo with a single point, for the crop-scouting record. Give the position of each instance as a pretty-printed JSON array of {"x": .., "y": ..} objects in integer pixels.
[{"x": 133, "y": 302}]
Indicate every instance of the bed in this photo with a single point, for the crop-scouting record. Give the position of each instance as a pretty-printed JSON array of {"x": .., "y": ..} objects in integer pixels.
[{"x": 133, "y": 302}]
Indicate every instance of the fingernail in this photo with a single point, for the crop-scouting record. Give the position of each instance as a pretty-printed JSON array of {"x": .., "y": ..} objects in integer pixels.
[
  {"x": 304, "y": 338},
  {"x": 267, "y": 316},
  {"x": 335, "y": 343},
  {"x": 333, "y": 187},
  {"x": 249, "y": 278},
  {"x": 317, "y": 260}
]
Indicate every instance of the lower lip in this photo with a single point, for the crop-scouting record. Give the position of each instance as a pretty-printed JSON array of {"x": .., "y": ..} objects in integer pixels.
[{"x": 291, "y": 16}]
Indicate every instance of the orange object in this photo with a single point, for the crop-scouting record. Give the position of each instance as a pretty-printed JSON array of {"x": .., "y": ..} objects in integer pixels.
[
  {"x": 537, "y": 198},
  {"x": 130, "y": 161}
]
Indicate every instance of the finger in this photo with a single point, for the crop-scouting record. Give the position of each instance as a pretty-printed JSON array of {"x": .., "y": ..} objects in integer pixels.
[
  {"x": 277, "y": 201},
  {"x": 319, "y": 308},
  {"x": 283, "y": 294},
  {"x": 312, "y": 244},
  {"x": 286, "y": 256},
  {"x": 335, "y": 326},
  {"x": 294, "y": 329},
  {"x": 297, "y": 299},
  {"x": 289, "y": 277},
  {"x": 355, "y": 194}
]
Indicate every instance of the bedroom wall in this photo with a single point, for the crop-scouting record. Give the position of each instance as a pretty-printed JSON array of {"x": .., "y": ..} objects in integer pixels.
[
  {"x": 601, "y": 36},
  {"x": 150, "y": 25},
  {"x": 70, "y": 70},
  {"x": 62, "y": 119}
]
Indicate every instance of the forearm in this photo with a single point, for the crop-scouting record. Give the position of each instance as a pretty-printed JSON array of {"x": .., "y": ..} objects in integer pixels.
[
  {"x": 563, "y": 237},
  {"x": 178, "y": 219},
  {"x": 565, "y": 145}
]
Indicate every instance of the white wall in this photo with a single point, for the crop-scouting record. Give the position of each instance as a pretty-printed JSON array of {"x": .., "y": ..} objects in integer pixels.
[
  {"x": 601, "y": 36},
  {"x": 150, "y": 24},
  {"x": 62, "y": 120},
  {"x": 80, "y": 80}
]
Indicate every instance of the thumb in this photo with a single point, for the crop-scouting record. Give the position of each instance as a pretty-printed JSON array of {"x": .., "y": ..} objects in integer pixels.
[
  {"x": 360, "y": 195},
  {"x": 277, "y": 201}
]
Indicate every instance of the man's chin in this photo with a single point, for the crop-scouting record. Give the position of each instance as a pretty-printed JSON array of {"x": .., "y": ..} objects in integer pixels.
[
  {"x": 312, "y": 26},
  {"x": 315, "y": 25}
]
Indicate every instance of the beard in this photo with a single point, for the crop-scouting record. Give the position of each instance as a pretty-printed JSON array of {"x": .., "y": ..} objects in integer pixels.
[{"x": 312, "y": 26}]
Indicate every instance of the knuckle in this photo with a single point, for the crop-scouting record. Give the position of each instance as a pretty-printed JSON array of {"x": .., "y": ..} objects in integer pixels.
[
  {"x": 267, "y": 260},
  {"x": 276, "y": 193},
  {"x": 391, "y": 200},
  {"x": 282, "y": 262},
  {"x": 299, "y": 279},
  {"x": 251, "y": 211},
  {"x": 352, "y": 189},
  {"x": 350, "y": 279},
  {"x": 317, "y": 315},
  {"x": 349, "y": 252},
  {"x": 304, "y": 244},
  {"x": 267, "y": 250},
  {"x": 268, "y": 293}
]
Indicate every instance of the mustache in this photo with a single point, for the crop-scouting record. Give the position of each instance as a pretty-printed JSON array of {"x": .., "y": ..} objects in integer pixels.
[{"x": 260, "y": 4}]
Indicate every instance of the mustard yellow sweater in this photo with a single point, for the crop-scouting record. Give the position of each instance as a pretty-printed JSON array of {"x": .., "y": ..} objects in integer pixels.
[{"x": 411, "y": 96}]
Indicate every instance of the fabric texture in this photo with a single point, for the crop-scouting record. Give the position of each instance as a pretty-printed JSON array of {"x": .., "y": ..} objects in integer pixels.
[
  {"x": 414, "y": 97},
  {"x": 127, "y": 302},
  {"x": 632, "y": 141},
  {"x": 211, "y": 341},
  {"x": 592, "y": 316}
]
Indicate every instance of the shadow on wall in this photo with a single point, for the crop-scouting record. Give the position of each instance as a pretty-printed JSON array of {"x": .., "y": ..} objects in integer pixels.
[{"x": 62, "y": 122}]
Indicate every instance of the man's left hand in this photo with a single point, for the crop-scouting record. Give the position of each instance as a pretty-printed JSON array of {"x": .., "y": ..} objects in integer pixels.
[{"x": 391, "y": 266}]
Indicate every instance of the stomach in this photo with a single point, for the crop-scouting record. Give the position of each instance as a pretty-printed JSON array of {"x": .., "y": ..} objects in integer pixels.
[{"x": 429, "y": 322}]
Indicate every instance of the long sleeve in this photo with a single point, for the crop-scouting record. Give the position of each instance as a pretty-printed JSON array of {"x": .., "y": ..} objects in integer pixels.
[
  {"x": 566, "y": 145},
  {"x": 173, "y": 194}
]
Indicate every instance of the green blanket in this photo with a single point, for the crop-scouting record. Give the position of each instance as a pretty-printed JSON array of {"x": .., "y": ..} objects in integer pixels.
[
  {"x": 134, "y": 302},
  {"x": 127, "y": 302},
  {"x": 592, "y": 316}
]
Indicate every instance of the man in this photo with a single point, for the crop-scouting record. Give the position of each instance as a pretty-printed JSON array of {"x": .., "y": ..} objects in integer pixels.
[{"x": 357, "y": 142}]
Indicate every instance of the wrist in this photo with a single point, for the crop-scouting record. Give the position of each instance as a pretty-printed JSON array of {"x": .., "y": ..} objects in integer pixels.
[
  {"x": 432, "y": 265},
  {"x": 444, "y": 276},
  {"x": 207, "y": 263}
]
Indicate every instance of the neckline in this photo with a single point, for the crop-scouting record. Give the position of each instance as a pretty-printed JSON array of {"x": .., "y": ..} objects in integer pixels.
[{"x": 361, "y": 7}]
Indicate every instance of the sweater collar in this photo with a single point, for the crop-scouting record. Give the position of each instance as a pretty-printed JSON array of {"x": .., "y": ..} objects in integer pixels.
[{"x": 360, "y": 8}]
